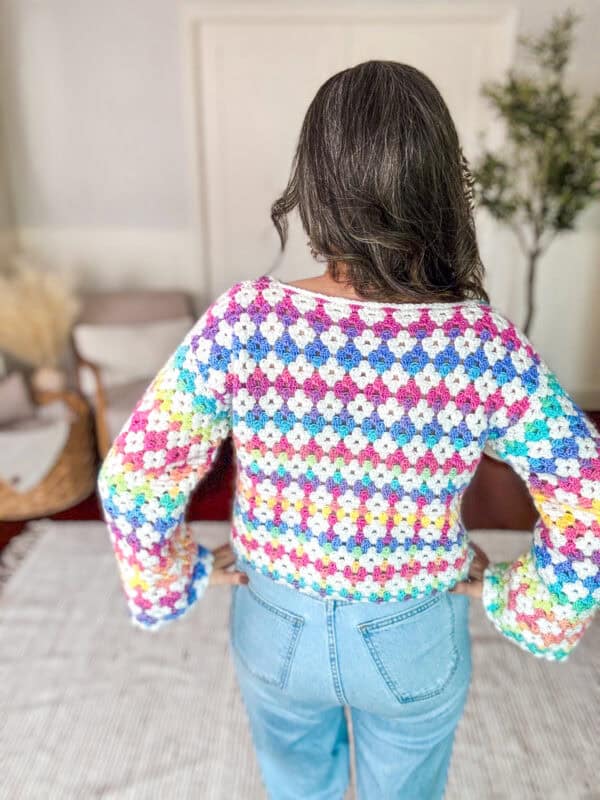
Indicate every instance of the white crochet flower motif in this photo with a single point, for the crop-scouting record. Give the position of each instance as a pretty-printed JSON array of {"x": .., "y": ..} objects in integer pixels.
[
  {"x": 331, "y": 371},
  {"x": 271, "y": 328},
  {"x": 435, "y": 343},
  {"x": 450, "y": 417},
  {"x": 356, "y": 441},
  {"x": 471, "y": 453},
  {"x": 147, "y": 536},
  {"x": 494, "y": 351},
  {"x": 567, "y": 467},
  {"x": 272, "y": 366},
  {"x": 301, "y": 333},
  {"x": 176, "y": 438},
  {"x": 371, "y": 315},
  {"x": 300, "y": 369},
  {"x": 367, "y": 341},
  {"x": 244, "y": 327},
  {"x": 415, "y": 449},
  {"x": 270, "y": 435},
  {"x": 338, "y": 311},
  {"x": 360, "y": 407},
  {"x": 500, "y": 420},
  {"x": 323, "y": 468},
  {"x": 476, "y": 422},
  {"x": 328, "y": 438},
  {"x": 484, "y": 385},
  {"x": 457, "y": 380},
  {"x": 344, "y": 528},
  {"x": 521, "y": 360},
  {"x": 400, "y": 343},
  {"x": 224, "y": 335},
  {"x": 409, "y": 480},
  {"x": 158, "y": 420},
  {"x": 293, "y": 492},
  {"x": 385, "y": 445},
  {"x": 468, "y": 343},
  {"x": 154, "y": 459},
  {"x": 539, "y": 449},
  {"x": 243, "y": 402},
  {"x": 427, "y": 378},
  {"x": 377, "y": 505},
  {"x": 300, "y": 403},
  {"x": 421, "y": 580},
  {"x": 183, "y": 402},
  {"x": 304, "y": 303},
  {"x": 558, "y": 427},
  {"x": 513, "y": 391},
  {"x": 134, "y": 442},
  {"x": 421, "y": 414},
  {"x": 271, "y": 401},
  {"x": 380, "y": 475},
  {"x": 390, "y": 411},
  {"x": 585, "y": 569},
  {"x": 586, "y": 448},
  {"x": 320, "y": 496},
  {"x": 334, "y": 339},
  {"x": 575, "y": 591},
  {"x": 298, "y": 437},
  {"x": 329, "y": 406},
  {"x": 353, "y": 471},
  {"x": 438, "y": 482},
  {"x": 395, "y": 377},
  {"x": 124, "y": 502},
  {"x": 443, "y": 450},
  {"x": 589, "y": 489}
]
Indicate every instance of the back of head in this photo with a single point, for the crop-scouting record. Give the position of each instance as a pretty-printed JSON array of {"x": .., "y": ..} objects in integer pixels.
[{"x": 379, "y": 181}]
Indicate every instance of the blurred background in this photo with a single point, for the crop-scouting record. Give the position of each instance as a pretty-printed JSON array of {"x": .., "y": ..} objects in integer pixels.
[{"x": 142, "y": 144}]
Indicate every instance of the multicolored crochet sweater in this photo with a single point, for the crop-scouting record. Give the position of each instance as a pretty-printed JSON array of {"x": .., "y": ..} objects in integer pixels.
[{"x": 357, "y": 427}]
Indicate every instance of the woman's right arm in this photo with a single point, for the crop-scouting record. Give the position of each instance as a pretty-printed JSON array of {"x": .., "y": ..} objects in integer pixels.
[{"x": 544, "y": 600}]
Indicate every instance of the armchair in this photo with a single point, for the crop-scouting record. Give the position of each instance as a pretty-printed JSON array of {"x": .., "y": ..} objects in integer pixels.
[{"x": 120, "y": 340}]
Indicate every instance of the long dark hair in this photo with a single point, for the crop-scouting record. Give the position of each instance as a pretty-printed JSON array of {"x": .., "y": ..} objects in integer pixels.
[{"x": 382, "y": 185}]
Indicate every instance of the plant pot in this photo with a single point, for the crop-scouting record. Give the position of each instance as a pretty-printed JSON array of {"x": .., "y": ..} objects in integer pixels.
[{"x": 48, "y": 379}]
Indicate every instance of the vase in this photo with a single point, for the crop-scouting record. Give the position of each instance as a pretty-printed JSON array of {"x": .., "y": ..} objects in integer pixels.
[{"x": 48, "y": 379}]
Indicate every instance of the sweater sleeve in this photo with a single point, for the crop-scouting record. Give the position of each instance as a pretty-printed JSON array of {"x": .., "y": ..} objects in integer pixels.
[
  {"x": 545, "y": 599},
  {"x": 162, "y": 452}
]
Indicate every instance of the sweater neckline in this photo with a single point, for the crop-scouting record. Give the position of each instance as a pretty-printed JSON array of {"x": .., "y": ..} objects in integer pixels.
[{"x": 287, "y": 287}]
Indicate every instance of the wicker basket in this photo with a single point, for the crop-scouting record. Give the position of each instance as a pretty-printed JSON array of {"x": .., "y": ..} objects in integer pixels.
[{"x": 71, "y": 479}]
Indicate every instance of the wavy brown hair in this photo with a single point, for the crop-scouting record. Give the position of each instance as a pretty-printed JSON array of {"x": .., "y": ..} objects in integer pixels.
[{"x": 381, "y": 185}]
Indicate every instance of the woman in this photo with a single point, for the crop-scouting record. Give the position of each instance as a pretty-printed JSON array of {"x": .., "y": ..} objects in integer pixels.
[{"x": 359, "y": 403}]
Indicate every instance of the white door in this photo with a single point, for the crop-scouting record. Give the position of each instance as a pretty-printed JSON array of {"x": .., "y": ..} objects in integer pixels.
[{"x": 251, "y": 72}]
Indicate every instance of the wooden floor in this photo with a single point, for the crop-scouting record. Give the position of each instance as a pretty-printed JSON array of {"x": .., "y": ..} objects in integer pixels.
[{"x": 496, "y": 497}]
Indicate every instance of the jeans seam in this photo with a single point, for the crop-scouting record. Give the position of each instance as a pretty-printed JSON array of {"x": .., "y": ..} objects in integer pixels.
[
  {"x": 391, "y": 619},
  {"x": 296, "y": 622},
  {"x": 407, "y": 698},
  {"x": 333, "y": 655}
]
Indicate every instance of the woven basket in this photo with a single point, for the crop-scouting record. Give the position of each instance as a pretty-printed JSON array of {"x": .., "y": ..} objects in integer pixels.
[{"x": 71, "y": 479}]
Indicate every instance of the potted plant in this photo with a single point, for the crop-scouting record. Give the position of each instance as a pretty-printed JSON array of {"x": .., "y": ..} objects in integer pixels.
[
  {"x": 37, "y": 311},
  {"x": 549, "y": 169}
]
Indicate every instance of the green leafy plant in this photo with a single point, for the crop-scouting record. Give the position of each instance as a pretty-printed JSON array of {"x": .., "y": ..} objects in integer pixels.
[{"x": 549, "y": 169}]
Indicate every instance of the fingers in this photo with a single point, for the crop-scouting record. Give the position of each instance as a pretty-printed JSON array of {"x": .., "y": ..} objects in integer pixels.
[
  {"x": 220, "y": 576},
  {"x": 472, "y": 588}
]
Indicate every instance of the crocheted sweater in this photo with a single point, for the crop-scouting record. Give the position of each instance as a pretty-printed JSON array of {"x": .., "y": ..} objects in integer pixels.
[{"x": 357, "y": 427}]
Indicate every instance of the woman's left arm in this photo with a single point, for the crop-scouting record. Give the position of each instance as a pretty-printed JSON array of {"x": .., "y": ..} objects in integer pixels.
[{"x": 165, "y": 448}]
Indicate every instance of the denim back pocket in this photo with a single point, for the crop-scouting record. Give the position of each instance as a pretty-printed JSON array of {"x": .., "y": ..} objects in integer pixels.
[
  {"x": 414, "y": 650},
  {"x": 263, "y": 635}
]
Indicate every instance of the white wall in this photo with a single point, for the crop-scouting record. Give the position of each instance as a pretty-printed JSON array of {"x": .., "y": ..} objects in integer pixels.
[{"x": 99, "y": 179}]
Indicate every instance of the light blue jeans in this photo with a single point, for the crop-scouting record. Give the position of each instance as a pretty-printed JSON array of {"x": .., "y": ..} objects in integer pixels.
[{"x": 403, "y": 669}]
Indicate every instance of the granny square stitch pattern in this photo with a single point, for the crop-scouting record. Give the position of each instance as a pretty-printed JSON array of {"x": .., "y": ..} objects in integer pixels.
[{"x": 357, "y": 427}]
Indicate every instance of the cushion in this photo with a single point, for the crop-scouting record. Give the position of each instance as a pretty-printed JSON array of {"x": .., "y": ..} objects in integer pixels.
[
  {"x": 15, "y": 401},
  {"x": 126, "y": 353}
]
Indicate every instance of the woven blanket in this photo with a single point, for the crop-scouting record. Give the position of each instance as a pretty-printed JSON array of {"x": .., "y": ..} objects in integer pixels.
[{"x": 93, "y": 708}]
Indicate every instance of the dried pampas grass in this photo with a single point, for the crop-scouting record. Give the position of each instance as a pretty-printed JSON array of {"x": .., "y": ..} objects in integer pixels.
[{"x": 37, "y": 311}]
